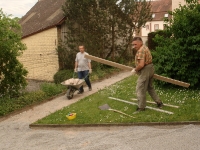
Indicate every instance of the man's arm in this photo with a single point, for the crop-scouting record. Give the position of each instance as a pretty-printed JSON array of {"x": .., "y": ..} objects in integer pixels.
[
  {"x": 89, "y": 65},
  {"x": 140, "y": 65},
  {"x": 76, "y": 64}
]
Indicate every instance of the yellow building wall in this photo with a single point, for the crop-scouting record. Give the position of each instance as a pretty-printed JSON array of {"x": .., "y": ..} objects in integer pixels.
[{"x": 40, "y": 58}]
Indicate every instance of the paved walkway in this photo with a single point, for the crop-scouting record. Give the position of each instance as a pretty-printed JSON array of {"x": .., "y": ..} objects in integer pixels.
[{"x": 15, "y": 133}]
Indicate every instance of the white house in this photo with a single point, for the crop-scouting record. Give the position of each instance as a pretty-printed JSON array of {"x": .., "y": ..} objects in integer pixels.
[{"x": 160, "y": 10}]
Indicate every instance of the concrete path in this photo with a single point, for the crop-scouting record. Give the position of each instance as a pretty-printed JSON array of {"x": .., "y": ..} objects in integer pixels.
[{"x": 15, "y": 133}]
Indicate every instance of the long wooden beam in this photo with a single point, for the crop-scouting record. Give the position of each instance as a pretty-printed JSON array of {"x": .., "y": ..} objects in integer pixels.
[
  {"x": 150, "y": 102},
  {"x": 124, "y": 67},
  {"x": 156, "y": 109}
]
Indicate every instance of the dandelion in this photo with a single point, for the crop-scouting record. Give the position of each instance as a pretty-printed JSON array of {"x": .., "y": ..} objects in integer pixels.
[
  {"x": 107, "y": 116},
  {"x": 122, "y": 116},
  {"x": 125, "y": 108}
]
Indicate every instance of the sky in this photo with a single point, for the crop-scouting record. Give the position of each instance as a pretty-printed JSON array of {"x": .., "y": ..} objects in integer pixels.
[{"x": 16, "y": 8}]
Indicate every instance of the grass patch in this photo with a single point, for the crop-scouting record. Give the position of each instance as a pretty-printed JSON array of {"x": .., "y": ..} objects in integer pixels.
[
  {"x": 46, "y": 91},
  {"x": 88, "y": 112}
]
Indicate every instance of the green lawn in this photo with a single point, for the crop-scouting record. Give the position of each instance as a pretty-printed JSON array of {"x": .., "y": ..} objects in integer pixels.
[{"x": 88, "y": 111}]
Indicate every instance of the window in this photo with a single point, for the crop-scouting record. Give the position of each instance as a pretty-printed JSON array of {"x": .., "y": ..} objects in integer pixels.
[
  {"x": 153, "y": 15},
  {"x": 156, "y": 27},
  {"x": 166, "y": 15},
  {"x": 147, "y": 27}
]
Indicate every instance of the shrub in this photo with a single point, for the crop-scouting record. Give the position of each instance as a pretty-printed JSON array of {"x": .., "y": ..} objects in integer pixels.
[
  {"x": 11, "y": 104},
  {"x": 151, "y": 43},
  {"x": 12, "y": 72},
  {"x": 177, "y": 57},
  {"x": 62, "y": 75},
  {"x": 52, "y": 89}
]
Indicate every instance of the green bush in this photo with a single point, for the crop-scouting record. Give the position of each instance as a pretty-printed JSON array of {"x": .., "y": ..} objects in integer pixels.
[
  {"x": 52, "y": 89},
  {"x": 151, "y": 43},
  {"x": 177, "y": 57},
  {"x": 62, "y": 75},
  {"x": 8, "y": 105},
  {"x": 47, "y": 90},
  {"x": 12, "y": 72}
]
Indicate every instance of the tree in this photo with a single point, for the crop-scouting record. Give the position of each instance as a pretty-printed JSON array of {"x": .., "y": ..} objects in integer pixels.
[
  {"x": 12, "y": 73},
  {"x": 178, "y": 55},
  {"x": 105, "y": 27}
]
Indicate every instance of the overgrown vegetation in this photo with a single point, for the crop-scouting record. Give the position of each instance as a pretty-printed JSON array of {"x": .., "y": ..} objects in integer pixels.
[
  {"x": 88, "y": 111},
  {"x": 12, "y": 72},
  {"x": 46, "y": 91},
  {"x": 104, "y": 27},
  {"x": 178, "y": 55}
]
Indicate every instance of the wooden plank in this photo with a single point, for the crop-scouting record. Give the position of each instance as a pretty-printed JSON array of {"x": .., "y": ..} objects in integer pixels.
[
  {"x": 124, "y": 67},
  {"x": 110, "y": 63},
  {"x": 169, "y": 80},
  {"x": 156, "y": 109},
  {"x": 121, "y": 112},
  {"x": 150, "y": 102}
]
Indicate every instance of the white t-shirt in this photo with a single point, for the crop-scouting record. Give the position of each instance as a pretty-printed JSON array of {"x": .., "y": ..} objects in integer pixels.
[{"x": 82, "y": 61}]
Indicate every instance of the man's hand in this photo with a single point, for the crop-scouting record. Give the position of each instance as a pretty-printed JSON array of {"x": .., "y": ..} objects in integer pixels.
[
  {"x": 90, "y": 71},
  {"x": 133, "y": 72},
  {"x": 75, "y": 69}
]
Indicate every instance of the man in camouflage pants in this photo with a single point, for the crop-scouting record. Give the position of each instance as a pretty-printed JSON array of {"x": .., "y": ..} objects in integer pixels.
[{"x": 145, "y": 70}]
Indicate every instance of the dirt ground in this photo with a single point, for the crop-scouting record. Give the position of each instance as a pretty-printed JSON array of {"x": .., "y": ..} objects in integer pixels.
[{"x": 15, "y": 133}]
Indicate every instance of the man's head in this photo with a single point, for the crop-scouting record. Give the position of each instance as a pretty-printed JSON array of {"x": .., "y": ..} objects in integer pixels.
[
  {"x": 137, "y": 43},
  {"x": 81, "y": 48}
]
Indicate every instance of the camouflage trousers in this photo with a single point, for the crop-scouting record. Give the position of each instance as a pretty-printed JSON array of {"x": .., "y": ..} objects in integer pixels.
[{"x": 144, "y": 84}]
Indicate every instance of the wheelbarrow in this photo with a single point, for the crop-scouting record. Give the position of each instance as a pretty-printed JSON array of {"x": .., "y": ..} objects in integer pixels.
[{"x": 73, "y": 85}]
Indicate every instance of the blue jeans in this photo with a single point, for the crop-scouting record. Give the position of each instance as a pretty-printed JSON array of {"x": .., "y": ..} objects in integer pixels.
[{"x": 84, "y": 75}]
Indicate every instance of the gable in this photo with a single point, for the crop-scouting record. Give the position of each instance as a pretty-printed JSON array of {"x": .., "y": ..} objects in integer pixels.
[
  {"x": 160, "y": 8},
  {"x": 43, "y": 15}
]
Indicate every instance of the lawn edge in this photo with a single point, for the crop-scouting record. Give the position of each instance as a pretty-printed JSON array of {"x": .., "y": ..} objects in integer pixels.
[
  {"x": 28, "y": 107},
  {"x": 41, "y": 126}
]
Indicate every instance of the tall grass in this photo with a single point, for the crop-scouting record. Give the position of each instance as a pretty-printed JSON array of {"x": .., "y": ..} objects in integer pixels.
[{"x": 47, "y": 90}]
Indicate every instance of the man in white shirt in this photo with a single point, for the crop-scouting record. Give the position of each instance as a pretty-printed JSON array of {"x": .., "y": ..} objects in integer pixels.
[{"x": 83, "y": 68}]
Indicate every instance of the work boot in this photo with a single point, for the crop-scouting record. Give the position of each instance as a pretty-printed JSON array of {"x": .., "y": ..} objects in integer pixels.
[{"x": 139, "y": 110}]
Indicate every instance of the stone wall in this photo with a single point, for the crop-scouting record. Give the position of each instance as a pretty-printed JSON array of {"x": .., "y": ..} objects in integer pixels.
[{"x": 40, "y": 58}]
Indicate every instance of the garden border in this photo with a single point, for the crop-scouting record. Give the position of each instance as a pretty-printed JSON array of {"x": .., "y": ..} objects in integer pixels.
[
  {"x": 26, "y": 108},
  {"x": 42, "y": 126}
]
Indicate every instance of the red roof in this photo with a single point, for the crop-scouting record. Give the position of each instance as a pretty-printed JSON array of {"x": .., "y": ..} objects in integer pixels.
[{"x": 160, "y": 8}]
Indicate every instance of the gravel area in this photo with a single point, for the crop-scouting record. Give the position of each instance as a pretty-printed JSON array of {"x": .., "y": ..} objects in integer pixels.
[{"x": 15, "y": 133}]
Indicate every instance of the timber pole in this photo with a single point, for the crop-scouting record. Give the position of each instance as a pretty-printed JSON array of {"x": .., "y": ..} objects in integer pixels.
[{"x": 124, "y": 67}]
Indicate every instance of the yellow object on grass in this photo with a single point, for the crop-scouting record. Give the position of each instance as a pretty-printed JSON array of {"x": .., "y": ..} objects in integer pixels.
[{"x": 71, "y": 116}]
